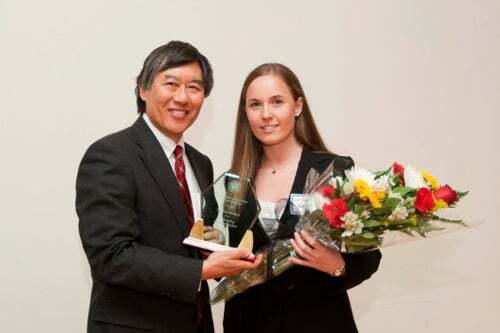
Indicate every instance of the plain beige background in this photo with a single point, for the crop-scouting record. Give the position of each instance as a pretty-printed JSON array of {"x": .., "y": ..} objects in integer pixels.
[{"x": 413, "y": 81}]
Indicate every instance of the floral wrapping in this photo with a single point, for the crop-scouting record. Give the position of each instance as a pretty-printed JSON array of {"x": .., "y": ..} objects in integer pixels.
[{"x": 355, "y": 213}]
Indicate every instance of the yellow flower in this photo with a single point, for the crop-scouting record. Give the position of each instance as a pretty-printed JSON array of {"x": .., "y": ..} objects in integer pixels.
[
  {"x": 362, "y": 188},
  {"x": 413, "y": 220},
  {"x": 440, "y": 204},
  {"x": 430, "y": 179},
  {"x": 375, "y": 198}
]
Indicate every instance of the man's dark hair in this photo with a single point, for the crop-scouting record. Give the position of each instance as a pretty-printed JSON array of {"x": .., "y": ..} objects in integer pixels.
[{"x": 173, "y": 54}]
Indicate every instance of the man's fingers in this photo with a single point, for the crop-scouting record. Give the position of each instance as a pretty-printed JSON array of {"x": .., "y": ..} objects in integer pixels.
[
  {"x": 237, "y": 253},
  {"x": 249, "y": 265},
  {"x": 205, "y": 254}
]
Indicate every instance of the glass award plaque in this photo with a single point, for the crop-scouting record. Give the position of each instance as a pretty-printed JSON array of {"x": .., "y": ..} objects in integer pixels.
[{"x": 229, "y": 209}]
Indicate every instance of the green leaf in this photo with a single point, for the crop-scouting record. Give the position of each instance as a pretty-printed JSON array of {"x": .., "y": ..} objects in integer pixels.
[
  {"x": 368, "y": 235},
  {"x": 337, "y": 189},
  {"x": 404, "y": 191},
  {"x": 442, "y": 219},
  {"x": 382, "y": 211},
  {"x": 391, "y": 202},
  {"x": 358, "y": 209},
  {"x": 379, "y": 174},
  {"x": 351, "y": 203},
  {"x": 396, "y": 180},
  {"x": 372, "y": 223}
]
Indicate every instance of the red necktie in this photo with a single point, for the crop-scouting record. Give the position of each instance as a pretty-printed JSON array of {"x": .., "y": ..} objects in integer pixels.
[{"x": 180, "y": 174}]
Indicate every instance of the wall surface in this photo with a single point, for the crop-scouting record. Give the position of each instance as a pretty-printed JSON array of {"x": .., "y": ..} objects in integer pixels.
[{"x": 413, "y": 81}]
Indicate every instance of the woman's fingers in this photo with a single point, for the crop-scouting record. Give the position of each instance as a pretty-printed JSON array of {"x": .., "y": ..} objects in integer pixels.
[
  {"x": 300, "y": 247},
  {"x": 309, "y": 239}
]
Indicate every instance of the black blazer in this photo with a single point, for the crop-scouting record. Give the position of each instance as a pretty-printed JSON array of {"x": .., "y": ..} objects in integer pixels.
[
  {"x": 301, "y": 299},
  {"x": 132, "y": 224}
]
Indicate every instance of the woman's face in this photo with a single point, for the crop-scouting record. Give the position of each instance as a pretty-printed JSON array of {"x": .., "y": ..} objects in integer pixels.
[{"x": 271, "y": 110}]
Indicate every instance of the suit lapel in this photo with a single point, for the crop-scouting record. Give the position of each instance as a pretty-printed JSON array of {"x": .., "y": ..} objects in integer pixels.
[
  {"x": 201, "y": 176},
  {"x": 160, "y": 169}
]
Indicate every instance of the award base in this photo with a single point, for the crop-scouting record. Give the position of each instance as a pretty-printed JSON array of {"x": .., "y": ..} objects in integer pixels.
[{"x": 195, "y": 239}]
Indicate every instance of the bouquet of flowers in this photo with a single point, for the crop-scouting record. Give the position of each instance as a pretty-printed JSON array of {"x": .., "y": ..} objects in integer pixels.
[{"x": 355, "y": 213}]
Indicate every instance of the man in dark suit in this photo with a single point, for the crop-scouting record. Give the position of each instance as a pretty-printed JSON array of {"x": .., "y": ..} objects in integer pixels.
[{"x": 137, "y": 195}]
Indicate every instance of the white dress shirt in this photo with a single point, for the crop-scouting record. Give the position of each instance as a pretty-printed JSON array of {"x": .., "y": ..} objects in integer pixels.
[{"x": 168, "y": 146}]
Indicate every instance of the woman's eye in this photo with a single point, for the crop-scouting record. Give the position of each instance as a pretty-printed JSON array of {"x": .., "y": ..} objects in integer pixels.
[
  {"x": 277, "y": 102},
  {"x": 254, "y": 105},
  {"x": 170, "y": 84}
]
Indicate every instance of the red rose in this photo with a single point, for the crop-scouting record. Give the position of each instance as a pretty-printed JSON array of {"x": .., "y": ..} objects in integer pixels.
[
  {"x": 398, "y": 169},
  {"x": 424, "y": 201},
  {"x": 447, "y": 194},
  {"x": 327, "y": 191},
  {"x": 334, "y": 211}
]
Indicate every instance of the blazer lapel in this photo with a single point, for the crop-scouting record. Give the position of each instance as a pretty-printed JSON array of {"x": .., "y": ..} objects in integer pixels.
[
  {"x": 160, "y": 169},
  {"x": 308, "y": 159},
  {"x": 201, "y": 176}
]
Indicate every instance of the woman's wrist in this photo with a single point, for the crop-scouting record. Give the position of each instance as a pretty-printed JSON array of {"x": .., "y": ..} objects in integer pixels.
[{"x": 339, "y": 270}]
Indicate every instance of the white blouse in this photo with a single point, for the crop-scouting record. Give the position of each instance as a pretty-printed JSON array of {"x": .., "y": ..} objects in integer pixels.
[{"x": 269, "y": 216}]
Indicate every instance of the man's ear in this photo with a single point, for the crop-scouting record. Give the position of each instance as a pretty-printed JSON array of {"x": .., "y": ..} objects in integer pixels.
[{"x": 143, "y": 93}]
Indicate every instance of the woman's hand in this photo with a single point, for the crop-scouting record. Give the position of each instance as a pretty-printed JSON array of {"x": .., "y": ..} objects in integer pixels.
[
  {"x": 213, "y": 235},
  {"x": 315, "y": 255}
]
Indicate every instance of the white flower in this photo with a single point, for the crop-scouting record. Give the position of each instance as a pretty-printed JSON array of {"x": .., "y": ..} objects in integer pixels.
[
  {"x": 399, "y": 213},
  {"x": 356, "y": 173},
  {"x": 413, "y": 178},
  {"x": 365, "y": 214},
  {"x": 352, "y": 224},
  {"x": 382, "y": 184},
  {"x": 333, "y": 181},
  {"x": 318, "y": 200},
  {"x": 395, "y": 195},
  {"x": 348, "y": 188}
]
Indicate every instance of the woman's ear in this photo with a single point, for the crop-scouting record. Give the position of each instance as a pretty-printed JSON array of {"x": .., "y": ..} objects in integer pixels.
[{"x": 299, "y": 103}]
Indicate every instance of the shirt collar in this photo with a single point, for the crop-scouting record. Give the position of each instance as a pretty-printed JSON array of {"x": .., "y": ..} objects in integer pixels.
[{"x": 168, "y": 145}]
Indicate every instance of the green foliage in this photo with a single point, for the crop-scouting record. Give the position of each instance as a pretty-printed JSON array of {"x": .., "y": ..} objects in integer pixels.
[
  {"x": 379, "y": 174},
  {"x": 372, "y": 224},
  {"x": 368, "y": 235},
  {"x": 338, "y": 191},
  {"x": 391, "y": 203},
  {"x": 351, "y": 203},
  {"x": 405, "y": 191}
]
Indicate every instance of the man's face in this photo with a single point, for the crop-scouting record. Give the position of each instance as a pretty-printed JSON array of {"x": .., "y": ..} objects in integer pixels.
[{"x": 175, "y": 98}]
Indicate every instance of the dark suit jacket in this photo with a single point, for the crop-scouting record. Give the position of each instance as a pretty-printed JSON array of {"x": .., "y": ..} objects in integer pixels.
[
  {"x": 132, "y": 224},
  {"x": 301, "y": 299}
]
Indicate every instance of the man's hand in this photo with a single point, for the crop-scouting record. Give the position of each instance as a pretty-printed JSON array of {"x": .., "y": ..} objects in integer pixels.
[{"x": 228, "y": 263}]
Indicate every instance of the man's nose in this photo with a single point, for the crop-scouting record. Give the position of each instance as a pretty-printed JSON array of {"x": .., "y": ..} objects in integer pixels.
[{"x": 181, "y": 95}]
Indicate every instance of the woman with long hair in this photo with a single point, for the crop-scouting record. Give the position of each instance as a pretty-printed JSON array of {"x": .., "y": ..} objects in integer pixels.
[{"x": 276, "y": 144}]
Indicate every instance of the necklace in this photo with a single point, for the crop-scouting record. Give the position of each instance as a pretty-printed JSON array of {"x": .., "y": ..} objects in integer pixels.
[{"x": 285, "y": 166}]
